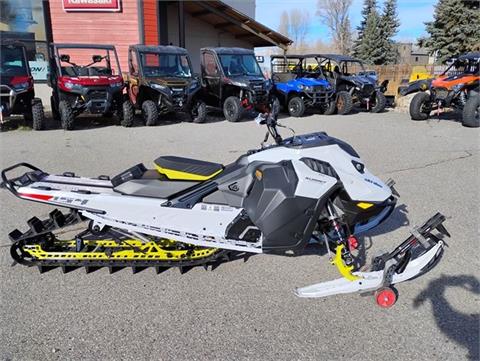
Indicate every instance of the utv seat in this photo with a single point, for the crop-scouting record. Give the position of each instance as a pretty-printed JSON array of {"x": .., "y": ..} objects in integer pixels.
[{"x": 178, "y": 168}]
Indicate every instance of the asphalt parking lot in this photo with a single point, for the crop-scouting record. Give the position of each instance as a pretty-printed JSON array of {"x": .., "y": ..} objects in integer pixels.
[{"x": 248, "y": 310}]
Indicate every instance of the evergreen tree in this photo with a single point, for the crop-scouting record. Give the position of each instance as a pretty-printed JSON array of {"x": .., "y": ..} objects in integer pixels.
[
  {"x": 454, "y": 30},
  {"x": 370, "y": 49},
  {"x": 368, "y": 5},
  {"x": 389, "y": 25}
]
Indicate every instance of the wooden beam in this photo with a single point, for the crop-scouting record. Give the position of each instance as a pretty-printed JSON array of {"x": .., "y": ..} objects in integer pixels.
[
  {"x": 223, "y": 25},
  {"x": 200, "y": 13},
  {"x": 239, "y": 23},
  {"x": 243, "y": 36}
]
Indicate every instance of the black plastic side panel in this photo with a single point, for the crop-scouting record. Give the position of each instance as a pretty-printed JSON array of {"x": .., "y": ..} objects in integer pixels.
[{"x": 273, "y": 207}]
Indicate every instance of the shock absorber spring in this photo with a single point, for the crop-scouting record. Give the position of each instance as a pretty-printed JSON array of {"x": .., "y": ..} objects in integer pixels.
[{"x": 337, "y": 227}]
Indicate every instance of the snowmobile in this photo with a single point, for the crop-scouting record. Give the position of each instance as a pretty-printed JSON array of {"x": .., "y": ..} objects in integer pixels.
[{"x": 188, "y": 212}]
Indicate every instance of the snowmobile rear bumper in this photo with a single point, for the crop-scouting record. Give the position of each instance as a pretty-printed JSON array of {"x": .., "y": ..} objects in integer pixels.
[{"x": 389, "y": 269}]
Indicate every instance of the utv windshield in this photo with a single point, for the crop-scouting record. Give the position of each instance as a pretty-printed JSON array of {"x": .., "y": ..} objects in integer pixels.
[
  {"x": 240, "y": 64},
  {"x": 13, "y": 61},
  {"x": 88, "y": 62},
  {"x": 161, "y": 65}
]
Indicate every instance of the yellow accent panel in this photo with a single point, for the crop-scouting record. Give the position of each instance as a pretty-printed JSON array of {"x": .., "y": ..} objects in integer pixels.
[
  {"x": 345, "y": 271},
  {"x": 364, "y": 205},
  {"x": 128, "y": 250},
  {"x": 178, "y": 175}
]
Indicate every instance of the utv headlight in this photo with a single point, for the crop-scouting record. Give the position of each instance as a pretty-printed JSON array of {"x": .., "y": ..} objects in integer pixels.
[
  {"x": 308, "y": 89},
  {"x": 72, "y": 86},
  {"x": 159, "y": 87},
  {"x": 240, "y": 84},
  {"x": 21, "y": 86},
  {"x": 194, "y": 85},
  {"x": 458, "y": 87},
  {"x": 116, "y": 85}
]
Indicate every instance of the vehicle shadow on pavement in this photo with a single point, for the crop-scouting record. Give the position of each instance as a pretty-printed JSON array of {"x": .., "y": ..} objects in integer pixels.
[{"x": 462, "y": 328}]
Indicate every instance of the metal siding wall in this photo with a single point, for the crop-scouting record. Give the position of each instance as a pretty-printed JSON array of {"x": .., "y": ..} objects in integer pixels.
[
  {"x": 117, "y": 28},
  {"x": 150, "y": 19}
]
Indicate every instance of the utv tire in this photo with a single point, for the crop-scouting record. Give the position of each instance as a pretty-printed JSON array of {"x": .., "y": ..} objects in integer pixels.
[
  {"x": 232, "y": 109},
  {"x": 67, "y": 117},
  {"x": 420, "y": 106},
  {"x": 55, "y": 113},
  {"x": 331, "y": 108},
  {"x": 296, "y": 107},
  {"x": 150, "y": 113},
  {"x": 128, "y": 114},
  {"x": 380, "y": 102},
  {"x": 199, "y": 112},
  {"x": 344, "y": 102},
  {"x": 38, "y": 116},
  {"x": 471, "y": 112}
]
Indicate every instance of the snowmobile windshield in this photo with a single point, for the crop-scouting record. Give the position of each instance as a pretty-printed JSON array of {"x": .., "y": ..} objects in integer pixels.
[
  {"x": 87, "y": 62},
  {"x": 240, "y": 64},
  {"x": 164, "y": 65},
  {"x": 13, "y": 61}
]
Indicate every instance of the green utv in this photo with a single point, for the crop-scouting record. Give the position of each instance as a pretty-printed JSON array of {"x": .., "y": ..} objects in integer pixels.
[{"x": 160, "y": 81}]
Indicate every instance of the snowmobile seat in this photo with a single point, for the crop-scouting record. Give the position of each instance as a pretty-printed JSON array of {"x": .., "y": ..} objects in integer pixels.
[{"x": 179, "y": 168}]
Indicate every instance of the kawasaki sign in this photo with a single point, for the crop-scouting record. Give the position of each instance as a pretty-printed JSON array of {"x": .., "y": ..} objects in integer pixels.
[{"x": 91, "y": 5}]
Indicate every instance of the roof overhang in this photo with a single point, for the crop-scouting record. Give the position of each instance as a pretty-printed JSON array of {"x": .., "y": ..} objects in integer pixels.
[{"x": 223, "y": 16}]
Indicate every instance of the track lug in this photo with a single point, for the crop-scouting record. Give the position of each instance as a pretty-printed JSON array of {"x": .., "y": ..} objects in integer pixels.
[
  {"x": 90, "y": 269},
  {"x": 67, "y": 269},
  {"x": 57, "y": 218},
  {"x": 184, "y": 269},
  {"x": 14, "y": 235},
  {"x": 44, "y": 269},
  {"x": 159, "y": 269},
  {"x": 137, "y": 269},
  {"x": 35, "y": 225},
  {"x": 113, "y": 269}
]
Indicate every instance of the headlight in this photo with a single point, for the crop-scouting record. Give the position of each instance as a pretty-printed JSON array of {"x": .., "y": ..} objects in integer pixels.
[
  {"x": 301, "y": 86},
  {"x": 72, "y": 86},
  {"x": 159, "y": 87},
  {"x": 308, "y": 89},
  {"x": 116, "y": 85},
  {"x": 458, "y": 87},
  {"x": 240, "y": 84},
  {"x": 21, "y": 86},
  {"x": 194, "y": 85}
]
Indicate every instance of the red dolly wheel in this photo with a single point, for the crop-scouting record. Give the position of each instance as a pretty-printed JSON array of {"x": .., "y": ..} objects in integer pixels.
[{"x": 385, "y": 297}]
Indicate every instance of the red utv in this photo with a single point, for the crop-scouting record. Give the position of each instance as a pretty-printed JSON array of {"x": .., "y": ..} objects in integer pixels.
[
  {"x": 85, "y": 78},
  {"x": 16, "y": 89}
]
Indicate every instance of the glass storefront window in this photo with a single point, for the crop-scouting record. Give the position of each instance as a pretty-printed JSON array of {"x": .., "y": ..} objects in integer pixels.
[{"x": 23, "y": 20}]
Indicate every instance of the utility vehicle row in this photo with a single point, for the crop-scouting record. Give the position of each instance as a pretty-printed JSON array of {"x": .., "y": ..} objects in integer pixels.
[{"x": 87, "y": 78}]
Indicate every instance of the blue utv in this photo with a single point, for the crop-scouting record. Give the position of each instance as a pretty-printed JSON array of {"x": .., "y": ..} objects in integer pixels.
[{"x": 300, "y": 84}]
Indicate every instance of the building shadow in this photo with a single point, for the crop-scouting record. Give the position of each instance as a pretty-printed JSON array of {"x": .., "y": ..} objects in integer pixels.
[{"x": 462, "y": 328}]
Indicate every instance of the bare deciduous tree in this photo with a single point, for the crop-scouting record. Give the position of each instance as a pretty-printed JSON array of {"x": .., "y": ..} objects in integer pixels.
[
  {"x": 334, "y": 14},
  {"x": 296, "y": 26}
]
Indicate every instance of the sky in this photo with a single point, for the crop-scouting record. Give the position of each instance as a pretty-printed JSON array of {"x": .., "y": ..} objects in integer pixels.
[{"x": 412, "y": 15}]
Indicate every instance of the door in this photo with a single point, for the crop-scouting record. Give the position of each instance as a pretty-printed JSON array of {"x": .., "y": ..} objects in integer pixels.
[{"x": 211, "y": 78}]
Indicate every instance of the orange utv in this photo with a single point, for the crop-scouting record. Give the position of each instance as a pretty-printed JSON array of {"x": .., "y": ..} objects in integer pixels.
[{"x": 456, "y": 88}]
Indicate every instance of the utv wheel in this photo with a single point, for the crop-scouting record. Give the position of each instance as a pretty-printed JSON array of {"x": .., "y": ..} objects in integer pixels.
[
  {"x": 38, "y": 116},
  {"x": 150, "y": 113},
  {"x": 380, "y": 102},
  {"x": 420, "y": 106},
  {"x": 67, "y": 117},
  {"x": 344, "y": 103},
  {"x": 331, "y": 108},
  {"x": 296, "y": 107},
  {"x": 128, "y": 114},
  {"x": 53, "y": 107},
  {"x": 232, "y": 109},
  {"x": 199, "y": 112},
  {"x": 471, "y": 112}
]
